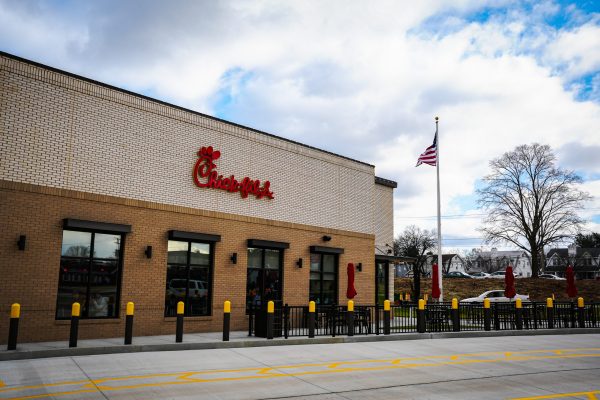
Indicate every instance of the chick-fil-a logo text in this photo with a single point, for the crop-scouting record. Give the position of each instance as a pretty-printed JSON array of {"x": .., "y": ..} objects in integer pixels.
[{"x": 206, "y": 176}]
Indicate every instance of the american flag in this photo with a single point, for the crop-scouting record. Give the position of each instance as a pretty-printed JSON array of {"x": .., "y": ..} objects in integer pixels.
[{"x": 429, "y": 156}]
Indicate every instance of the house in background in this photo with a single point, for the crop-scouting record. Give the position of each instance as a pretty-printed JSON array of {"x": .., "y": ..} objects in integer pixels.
[
  {"x": 450, "y": 262},
  {"x": 497, "y": 260},
  {"x": 585, "y": 261}
]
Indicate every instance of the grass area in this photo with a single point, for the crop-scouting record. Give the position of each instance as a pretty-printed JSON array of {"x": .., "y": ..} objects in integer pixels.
[{"x": 537, "y": 289}]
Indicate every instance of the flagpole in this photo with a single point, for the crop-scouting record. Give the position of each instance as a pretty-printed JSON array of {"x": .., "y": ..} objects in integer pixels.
[{"x": 439, "y": 218}]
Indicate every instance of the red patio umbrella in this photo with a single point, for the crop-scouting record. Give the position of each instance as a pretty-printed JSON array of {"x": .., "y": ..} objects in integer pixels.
[
  {"x": 571, "y": 289},
  {"x": 351, "y": 292},
  {"x": 435, "y": 282},
  {"x": 509, "y": 283}
]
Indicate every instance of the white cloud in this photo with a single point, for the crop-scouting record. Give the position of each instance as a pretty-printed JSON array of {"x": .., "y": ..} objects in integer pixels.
[{"x": 360, "y": 79}]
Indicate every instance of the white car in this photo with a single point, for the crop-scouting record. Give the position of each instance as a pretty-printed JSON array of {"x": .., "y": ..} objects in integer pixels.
[
  {"x": 551, "y": 276},
  {"x": 480, "y": 275},
  {"x": 495, "y": 296}
]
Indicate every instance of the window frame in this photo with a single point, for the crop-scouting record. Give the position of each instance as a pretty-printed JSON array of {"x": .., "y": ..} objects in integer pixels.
[
  {"x": 93, "y": 230},
  {"x": 188, "y": 265},
  {"x": 336, "y": 262}
]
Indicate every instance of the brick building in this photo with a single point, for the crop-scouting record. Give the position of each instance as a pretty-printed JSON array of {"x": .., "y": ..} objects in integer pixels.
[{"x": 107, "y": 196}]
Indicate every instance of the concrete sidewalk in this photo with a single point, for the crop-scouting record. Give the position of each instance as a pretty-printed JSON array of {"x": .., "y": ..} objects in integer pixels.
[{"x": 213, "y": 340}]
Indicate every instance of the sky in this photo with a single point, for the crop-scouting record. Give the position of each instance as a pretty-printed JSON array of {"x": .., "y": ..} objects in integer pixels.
[{"x": 363, "y": 79}]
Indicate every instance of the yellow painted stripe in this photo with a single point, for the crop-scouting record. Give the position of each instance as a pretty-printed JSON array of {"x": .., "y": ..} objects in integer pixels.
[{"x": 589, "y": 395}]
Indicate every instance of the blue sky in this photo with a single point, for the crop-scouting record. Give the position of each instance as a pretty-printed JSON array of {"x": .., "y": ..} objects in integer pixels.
[{"x": 361, "y": 79}]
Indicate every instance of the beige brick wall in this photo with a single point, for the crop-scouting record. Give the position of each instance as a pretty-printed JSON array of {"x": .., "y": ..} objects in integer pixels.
[
  {"x": 30, "y": 277},
  {"x": 64, "y": 132}
]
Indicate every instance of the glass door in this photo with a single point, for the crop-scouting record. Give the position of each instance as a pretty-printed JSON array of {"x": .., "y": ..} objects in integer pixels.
[{"x": 382, "y": 274}]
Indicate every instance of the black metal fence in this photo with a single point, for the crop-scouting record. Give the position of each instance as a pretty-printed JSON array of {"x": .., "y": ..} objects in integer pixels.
[{"x": 332, "y": 320}]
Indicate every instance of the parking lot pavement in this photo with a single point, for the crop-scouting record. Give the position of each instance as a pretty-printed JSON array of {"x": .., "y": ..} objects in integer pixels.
[{"x": 475, "y": 368}]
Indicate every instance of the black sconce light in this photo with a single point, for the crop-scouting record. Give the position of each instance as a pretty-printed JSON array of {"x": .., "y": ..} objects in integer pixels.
[
  {"x": 326, "y": 238},
  {"x": 148, "y": 252},
  {"x": 390, "y": 248},
  {"x": 21, "y": 242},
  {"x": 299, "y": 263},
  {"x": 233, "y": 258},
  {"x": 359, "y": 267}
]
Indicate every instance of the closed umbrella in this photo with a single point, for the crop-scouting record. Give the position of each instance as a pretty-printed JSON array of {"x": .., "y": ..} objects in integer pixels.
[
  {"x": 435, "y": 282},
  {"x": 571, "y": 288},
  {"x": 509, "y": 283},
  {"x": 351, "y": 291}
]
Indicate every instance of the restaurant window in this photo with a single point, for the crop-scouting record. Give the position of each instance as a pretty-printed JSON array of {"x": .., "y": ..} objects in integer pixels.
[
  {"x": 381, "y": 281},
  {"x": 265, "y": 272},
  {"x": 189, "y": 277},
  {"x": 323, "y": 278},
  {"x": 90, "y": 272}
]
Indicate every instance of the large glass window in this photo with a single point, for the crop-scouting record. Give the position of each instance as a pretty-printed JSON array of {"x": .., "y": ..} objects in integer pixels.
[
  {"x": 189, "y": 274},
  {"x": 90, "y": 274},
  {"x": 323, "y": 278},
  {"x": 264, "y": 276}
]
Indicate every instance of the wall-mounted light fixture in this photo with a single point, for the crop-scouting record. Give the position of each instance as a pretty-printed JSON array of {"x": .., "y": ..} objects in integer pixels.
[
  {"x": 299, "y": 263},
  {"x": 326, "y": 238},
  {"x": 233, "y": 258},
  {"x": 21, "y": 242},
  {"x": 148, "y": 252},
  {"x": 390, "y": 248},
  {"x": 359, "y": 267}
]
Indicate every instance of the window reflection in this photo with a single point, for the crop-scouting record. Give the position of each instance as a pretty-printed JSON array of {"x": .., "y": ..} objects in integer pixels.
[
  {"x": 263, "y": 276},
  {"x": 89, "y": 274},
  {"x": 323, "y": 278}
]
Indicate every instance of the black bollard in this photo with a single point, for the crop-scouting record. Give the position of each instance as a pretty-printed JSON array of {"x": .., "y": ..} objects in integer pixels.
[
  {"x": 75, "y": 313},
  {"x": 487, "y": 315},
  {"x": 13, "y": 328},
  {"x": 129, "y": 323},
  {"x": 350, "y": 317},
  {"x": 386, "y": 317},
  {"x": 226, "y": 320},
  {"x": 270, "y": 319},
  {"x": 179, "y": 327},
  {"x": 311, "y": 319}
]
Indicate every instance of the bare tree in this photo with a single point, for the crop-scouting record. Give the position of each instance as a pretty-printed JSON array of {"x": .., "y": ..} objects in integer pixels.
[
  {"x": 415, "y": 242},
  {"x": 530, "y": 202}
]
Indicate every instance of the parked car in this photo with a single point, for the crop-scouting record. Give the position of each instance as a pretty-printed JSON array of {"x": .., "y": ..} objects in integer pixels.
[
  {"x": 457, "y": 274},
  {"x": 495, "y": 296},
  {"x": 498, "y": 274},
  {"x": 551, "y": 276},
  {"x": 197, "y": 288},
  {"x": 480, "y": 275}
]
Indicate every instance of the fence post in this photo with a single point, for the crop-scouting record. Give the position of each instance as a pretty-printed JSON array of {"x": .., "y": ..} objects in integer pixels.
[
  {"x": 286, "y": 317},
  {"x": 226, "y": 320},
  {"x": 455, "y": 316},
  {"x": 421, "y": 317},
  {"x": 386, "y": 317},
  {"x": 250, "y": 320},
  {"x": 270, "y": 318},
  {"x": 550, "y": 312},
  {"x": 581, "y": 312},
  {"x": 350, "y": 318},
  {"x": 129, "y": 323},
  {"x": 377, "y": 318},
  {"x": 13, "y": 329},
  {"x": 311, "y": 319},
  {"x": 179, "y": 326},
  {"x": 496, "y": 317},
  {"x": 75, "y": 312},
  {"x": 487, "y": 315},
  {"x": 519, "y": 314}
]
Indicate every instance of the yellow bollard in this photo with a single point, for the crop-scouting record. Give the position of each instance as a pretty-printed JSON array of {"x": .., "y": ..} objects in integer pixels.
[
  {"x": 486, "y": 303},
  {"x": 270, "y": 319},
  {"x": 350, "y": 305},
  {"x": 226, "y": 320},
  {"x": 227, "y": 306},
  {"x": 179, "y": 323},
  {"x": 549, "y": 302},
  {"x": 130, "y": 308},
  {"x": 74, "y": 332},
  {"x": 312, "y": 306},
  {"x": 421, "y": 304},
  {"x": 455, "y": 315},
  {"x": 386, "y": 305},
  {"x": 455, "y": 303},
  {"x": 75, "y": 310},
  {"x": 180, "y": 307},
  {"x": 518, "y": 303},
  {"x": 15, "y": 310},
  {"x": 129, "y": 323},
  {"x": 270, "y": 307},
  {"x": 580, "y": 302}
]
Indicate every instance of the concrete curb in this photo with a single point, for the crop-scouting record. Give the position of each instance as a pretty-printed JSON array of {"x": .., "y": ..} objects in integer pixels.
[{"x": 118, "y": 349}]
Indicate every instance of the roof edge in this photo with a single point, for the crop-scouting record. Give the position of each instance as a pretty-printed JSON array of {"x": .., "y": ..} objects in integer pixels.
[{"x": 385, "y": 182}]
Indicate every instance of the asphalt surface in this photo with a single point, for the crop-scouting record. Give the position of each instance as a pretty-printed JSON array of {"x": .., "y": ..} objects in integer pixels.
[{"x": 509, "y": 367}]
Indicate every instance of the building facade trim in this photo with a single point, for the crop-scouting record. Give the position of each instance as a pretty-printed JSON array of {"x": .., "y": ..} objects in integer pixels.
[
  {"x": 194, "y": 236},
  {"x": 268, "y": 244},
  {"x": 79, "y": 224},
  {"x": 385, "y": 182},
  {"x": 328, "y": 250},
  {"x": 67, "y": 193}
]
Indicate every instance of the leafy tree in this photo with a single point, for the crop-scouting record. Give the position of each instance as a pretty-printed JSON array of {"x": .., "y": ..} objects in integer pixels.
[
  {"x": 588, "y": 241},
  {"x": 416, "y": 243},
  {"x": 530, "y": 202}
]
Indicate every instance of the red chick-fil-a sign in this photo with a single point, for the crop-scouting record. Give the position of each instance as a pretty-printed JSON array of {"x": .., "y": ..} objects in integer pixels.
[{"x": 206, "y": 176}]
